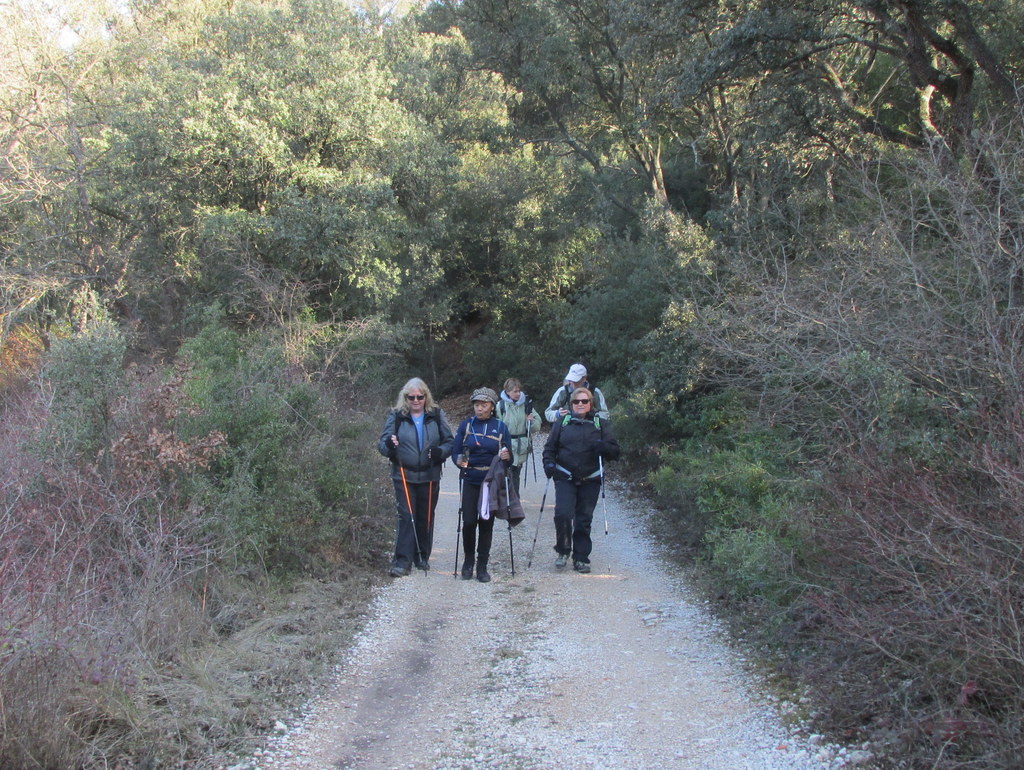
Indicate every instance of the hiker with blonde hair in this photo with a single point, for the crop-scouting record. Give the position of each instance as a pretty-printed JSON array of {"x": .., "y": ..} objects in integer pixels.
[
  {"x": 515, "y": 409},
  {"x": 574, "y": 456},
  {"x": 417, "y": 439}
]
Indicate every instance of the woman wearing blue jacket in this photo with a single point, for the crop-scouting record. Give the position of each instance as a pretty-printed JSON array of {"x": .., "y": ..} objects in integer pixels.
[
  {"x": 477, "y": 440},
  {"x": 417, "y": 439}
]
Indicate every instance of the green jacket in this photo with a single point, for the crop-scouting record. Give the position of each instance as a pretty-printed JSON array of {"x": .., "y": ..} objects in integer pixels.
[{"x": 514, "y": 416}]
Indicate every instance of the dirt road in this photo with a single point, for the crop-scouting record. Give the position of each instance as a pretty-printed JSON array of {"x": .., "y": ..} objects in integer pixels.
[{"x": 621, "y": 668}]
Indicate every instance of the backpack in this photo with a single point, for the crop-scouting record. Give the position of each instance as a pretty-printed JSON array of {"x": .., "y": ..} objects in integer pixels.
[
  {"x": 597, "y": 422},
  {"x": 502, "y": 409}
]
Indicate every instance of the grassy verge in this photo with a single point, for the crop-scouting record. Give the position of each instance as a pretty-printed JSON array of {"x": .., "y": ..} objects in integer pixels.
[{"x": 183, "y": 551}]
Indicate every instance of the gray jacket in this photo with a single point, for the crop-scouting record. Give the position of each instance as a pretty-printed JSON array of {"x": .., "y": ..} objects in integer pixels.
[{"x": 419, "y": 462}]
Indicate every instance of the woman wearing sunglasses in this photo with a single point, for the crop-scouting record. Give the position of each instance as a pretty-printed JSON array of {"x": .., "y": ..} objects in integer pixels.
[
  {"x": 577, "y": 446},
  {"x": 417, "y": 439}
]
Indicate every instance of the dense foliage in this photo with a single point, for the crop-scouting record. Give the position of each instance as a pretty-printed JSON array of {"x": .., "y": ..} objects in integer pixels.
[{"x": 786, "y": 238}]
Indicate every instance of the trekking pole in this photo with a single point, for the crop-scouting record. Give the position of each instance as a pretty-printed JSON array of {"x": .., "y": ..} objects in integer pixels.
[
  {"x": 539, "y": 517},
  {"x": 604, "y": 503},
  {"x": 412, "y": 521},
  {"x": 508, "y": 506},
  {"x": 524, "y": 472},
  {"x": 430, "y": 507},
  {"x": 458, "y": 530}
]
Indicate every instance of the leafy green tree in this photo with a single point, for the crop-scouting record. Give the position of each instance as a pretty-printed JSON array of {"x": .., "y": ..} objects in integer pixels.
[
  {"x": 584, "y": 84},
  {"x": 504, "y": 243},
  {"x": 53, "y": 242},
  {"x": 251, "y": 149},
  {"x": 626, "y": 298},
  {"x": 947, "y": 49}
]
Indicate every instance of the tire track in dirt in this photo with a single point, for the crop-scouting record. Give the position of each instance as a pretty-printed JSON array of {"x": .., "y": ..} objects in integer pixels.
[{"x": 621, "y": 668}]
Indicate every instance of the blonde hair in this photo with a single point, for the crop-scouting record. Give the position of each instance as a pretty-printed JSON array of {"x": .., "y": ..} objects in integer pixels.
[
  {"x": 414, "y": 384},
  {"x": 511, "y": 384},
  {"x": 579, "y": 390}
]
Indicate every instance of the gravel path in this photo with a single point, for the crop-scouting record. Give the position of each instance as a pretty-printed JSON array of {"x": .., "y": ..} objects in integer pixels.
[{"x": 621, "y": 668}]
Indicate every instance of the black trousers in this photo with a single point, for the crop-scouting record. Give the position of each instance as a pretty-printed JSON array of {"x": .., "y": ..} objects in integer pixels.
[
  {"x": 574, "y": 514},
  {"x": 515, "y": 471},
  {"x": 414, "y": 546},
  {"x": 477, "y": 533}
]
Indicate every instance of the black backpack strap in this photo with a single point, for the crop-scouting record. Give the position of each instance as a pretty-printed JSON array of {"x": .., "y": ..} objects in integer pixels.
[{"x": 566, "y": 396}]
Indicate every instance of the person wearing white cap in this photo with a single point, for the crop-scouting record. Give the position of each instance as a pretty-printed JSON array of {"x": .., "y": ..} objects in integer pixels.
[
  {"x": 576, "y": 377},
  {"x": 478, "y": 439}
]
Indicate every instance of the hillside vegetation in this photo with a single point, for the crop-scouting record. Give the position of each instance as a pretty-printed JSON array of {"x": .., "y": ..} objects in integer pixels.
[{"x": 787, "y": 240}]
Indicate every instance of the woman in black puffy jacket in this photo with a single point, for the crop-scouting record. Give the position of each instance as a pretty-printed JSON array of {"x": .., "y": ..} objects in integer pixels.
[
  {"x": 574, "y": 455},
  {"x": 417, "y": 439}
]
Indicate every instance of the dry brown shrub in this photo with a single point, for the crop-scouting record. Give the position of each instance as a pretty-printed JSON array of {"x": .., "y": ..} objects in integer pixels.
[
  {"x": 923, "y": 589},
  {"x": 885, "y": 328},
  {"x": 100, "y": 568}
]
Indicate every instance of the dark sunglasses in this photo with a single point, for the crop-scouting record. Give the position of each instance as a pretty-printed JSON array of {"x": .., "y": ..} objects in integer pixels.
[
  {"x": 581, "y": 400},
  {"x": 415, "y": 398}
]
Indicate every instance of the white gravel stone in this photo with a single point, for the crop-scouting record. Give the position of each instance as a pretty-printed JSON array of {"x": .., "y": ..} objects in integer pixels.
[{"x": 621, "y": 669}]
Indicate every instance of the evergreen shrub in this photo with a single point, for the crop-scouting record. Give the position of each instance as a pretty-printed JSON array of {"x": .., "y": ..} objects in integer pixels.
[
  {"x": 513, "y": 351},
  {"x": 278, "y": 492},
  {"x": 83, "y": 372},
  {"x": 743, "y": 494}
]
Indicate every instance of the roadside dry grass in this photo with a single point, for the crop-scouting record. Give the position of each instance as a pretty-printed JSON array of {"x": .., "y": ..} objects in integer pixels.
[
  {"x": 126, "y": 641},
  {"x": 235, "y": 690}
]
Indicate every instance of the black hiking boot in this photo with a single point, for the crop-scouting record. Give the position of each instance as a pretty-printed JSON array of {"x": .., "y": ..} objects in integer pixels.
[
  {"x": 397, "y": 571},
  {"x": 423, "y": 564},
  {"x": 581, "y": 567},
  {"x": 482, "y": 574},
  {"x": 467, "y": 569}
]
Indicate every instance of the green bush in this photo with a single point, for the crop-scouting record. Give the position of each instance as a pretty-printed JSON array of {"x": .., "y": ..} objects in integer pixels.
[
  {"x": 901, "y": 418},
  {"x": 84, "y": 374},
  {"x": 627, "y": 295},
  {"x": 751, "y": 564},
  {"x": 513, "y": 351},
  {"x": 366, "y": 352},
  {"x": 277, "y": 492},
  {"x": 743, "y": 496}
]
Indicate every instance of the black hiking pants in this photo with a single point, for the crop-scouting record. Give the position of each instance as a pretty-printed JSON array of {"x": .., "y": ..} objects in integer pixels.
[
  {"x": 423, "y": 498},
  {"x": 476, "y": 532},
  {"x": 574, "y": 514},
  {"x": 515, "y": 471}
]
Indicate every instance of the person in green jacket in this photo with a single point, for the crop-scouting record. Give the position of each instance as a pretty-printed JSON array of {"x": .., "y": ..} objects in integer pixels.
[{"x": 515, "y": 409}]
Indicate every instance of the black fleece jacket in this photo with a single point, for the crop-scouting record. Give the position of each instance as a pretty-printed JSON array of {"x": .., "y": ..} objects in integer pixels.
[{"x": 574, "y": 444}]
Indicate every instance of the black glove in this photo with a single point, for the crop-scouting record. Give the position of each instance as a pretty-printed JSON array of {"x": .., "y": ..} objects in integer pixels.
[
  {"x": 549, "y": 469},
  {"x": 599, "y": 447},
  {"x": 434, "y": 455},
  {"x": 392, "y": 452}
]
